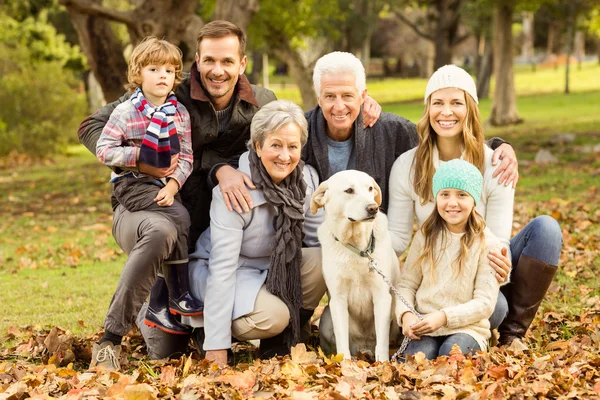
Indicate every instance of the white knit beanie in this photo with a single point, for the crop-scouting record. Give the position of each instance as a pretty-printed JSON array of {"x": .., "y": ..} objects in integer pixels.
[{"x": 454, "y": 77}]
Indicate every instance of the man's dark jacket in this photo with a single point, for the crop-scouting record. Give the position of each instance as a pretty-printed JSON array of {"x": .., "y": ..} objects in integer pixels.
[{"x": 209, "y": 148}]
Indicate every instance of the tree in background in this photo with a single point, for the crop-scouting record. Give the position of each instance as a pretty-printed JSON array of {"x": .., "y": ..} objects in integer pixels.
[
  {"x": 42, "y": 99},
  {"x": 177, "y": 21},
  {"x": 298, "y": 32},
  {"x": 504, "y": 104},
  {"x": 440, "y": 25}
]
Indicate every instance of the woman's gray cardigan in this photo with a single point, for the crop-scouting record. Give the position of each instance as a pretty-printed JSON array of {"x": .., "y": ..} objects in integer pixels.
[{"x": 232, "y": 258}]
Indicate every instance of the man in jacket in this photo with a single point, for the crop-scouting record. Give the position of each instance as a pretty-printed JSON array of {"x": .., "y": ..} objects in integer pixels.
[{"x": 221, "y": 102}]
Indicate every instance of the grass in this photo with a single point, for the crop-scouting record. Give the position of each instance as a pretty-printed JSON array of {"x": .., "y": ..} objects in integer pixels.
[
  {"x": 59, "y": 264},
  {"x": 527, "y": 83}
]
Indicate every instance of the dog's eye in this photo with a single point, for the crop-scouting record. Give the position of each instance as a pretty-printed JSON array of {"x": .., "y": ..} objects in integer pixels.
[
  {"x": 370, "y": 188},
  {"x": 349, "y": 190}
]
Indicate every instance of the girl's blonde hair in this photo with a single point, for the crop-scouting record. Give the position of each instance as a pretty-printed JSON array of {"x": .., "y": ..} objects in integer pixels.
[
  {"x": 152, "y": 50},
  {"x": 434, "y": 229},
  {"x": 472, "y": 138}
]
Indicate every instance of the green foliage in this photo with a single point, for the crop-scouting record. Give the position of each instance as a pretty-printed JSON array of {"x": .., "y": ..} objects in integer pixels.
[
  {"x": 42, "y": 102},
  {"x": 34, "y": 41},
  {"x": 294, "y": 20},
  {"x": 41, "y": 108}
]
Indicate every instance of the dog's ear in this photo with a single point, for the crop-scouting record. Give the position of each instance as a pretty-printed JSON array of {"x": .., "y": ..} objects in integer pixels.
[
  {"x": 377, "y": 193},
  {"x": 318, "y": 198}
]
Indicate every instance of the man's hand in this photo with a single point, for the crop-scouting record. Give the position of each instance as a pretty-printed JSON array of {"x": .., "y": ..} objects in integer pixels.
[
  {"x": 509, "y": 167},
  {"x": 159, "y": 172},
  {"x": 430, "y": 323},
  {"x": 501, "y": 264},
  {"x": 371, "y": 111},
  {"x": 218, "y": 357},
  {"x": 233, "y": 187},
  {"x": 408, "y": 321}
]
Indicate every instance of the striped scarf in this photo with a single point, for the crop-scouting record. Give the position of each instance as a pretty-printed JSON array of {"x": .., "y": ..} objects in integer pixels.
[{"x": 161, "y": 140}]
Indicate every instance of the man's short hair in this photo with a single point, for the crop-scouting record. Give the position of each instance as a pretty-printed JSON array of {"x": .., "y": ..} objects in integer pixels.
[
  {"x": 337, "y": 63},
  {"x": 220, "y": 29},
  {"x": 152, "y": 50}
]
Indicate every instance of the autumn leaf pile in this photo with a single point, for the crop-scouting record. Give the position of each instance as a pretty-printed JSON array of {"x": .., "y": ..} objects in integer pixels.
[
  {"x": 41, "y": 365},
  {"x": 560, "y": 359}
]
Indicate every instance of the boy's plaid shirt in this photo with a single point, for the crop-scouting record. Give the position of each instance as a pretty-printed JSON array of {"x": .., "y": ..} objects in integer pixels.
[{"x": 124, "y": 132}]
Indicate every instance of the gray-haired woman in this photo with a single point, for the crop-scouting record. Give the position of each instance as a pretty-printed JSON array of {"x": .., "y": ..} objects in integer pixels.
[{"x": 256, "y": 280}]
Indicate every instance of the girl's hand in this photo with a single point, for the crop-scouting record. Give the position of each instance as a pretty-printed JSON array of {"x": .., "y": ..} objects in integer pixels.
[
  {"x": 165, "y": 197},
  {"x": 431, "y": 323},
  {"x": 501, "y": 264},
  {"x": 408, "y": 320},
  {"x": 218, "y": 357}
]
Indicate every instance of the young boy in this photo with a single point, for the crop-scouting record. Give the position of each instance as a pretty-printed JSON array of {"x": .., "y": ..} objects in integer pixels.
[{"x": 147, "y": 131}]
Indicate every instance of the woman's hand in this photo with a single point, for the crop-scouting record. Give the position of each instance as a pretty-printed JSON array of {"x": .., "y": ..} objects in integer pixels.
[
  {"x": 233, "y": 187},
  {"x": 430, "y": 323},
  {"x": 218, "y": 357},
  {"x": 408, "y": 320},
  {"x": 501, "y": 264},
  {"x": 371, "y": 111}
]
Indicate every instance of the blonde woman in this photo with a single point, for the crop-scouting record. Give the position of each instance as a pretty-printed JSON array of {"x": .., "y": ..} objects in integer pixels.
[{"x": 451, "y": 128}]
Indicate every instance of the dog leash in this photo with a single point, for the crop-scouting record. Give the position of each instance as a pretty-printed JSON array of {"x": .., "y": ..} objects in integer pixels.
[{"x": 368, "y": 253}]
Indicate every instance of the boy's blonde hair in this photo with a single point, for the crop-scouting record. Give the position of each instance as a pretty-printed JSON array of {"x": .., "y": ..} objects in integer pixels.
[{"x": 152, "y": 50}]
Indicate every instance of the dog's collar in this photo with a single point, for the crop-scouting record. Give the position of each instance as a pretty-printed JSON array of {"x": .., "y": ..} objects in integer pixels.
[{"x": 368, "y": 253}]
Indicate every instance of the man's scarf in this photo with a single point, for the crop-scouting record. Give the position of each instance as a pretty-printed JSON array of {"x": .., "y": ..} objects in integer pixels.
[
  {"x": 283, "y": 278},
  {"x": 160, "y": 140}
]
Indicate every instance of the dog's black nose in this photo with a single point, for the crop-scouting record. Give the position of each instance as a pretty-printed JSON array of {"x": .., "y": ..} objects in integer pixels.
[{"x": 372, "y": 209}]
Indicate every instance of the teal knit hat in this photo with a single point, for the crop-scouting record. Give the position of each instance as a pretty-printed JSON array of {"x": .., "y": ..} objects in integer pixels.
[{"x": 458, "y": 174}]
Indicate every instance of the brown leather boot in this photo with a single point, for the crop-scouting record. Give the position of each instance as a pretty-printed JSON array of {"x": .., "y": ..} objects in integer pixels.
[{"x": 529, "y": 283}]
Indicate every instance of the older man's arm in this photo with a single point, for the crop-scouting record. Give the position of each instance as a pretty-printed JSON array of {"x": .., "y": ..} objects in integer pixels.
[{"x": 371, "y": 111}]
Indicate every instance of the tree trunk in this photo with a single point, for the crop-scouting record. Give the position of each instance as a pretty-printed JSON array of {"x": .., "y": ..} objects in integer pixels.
[
  {"x": 240, "y": 12},
  {"x": 570, "y": 43},
  {"x": 551, "y": 39},
  {"x": 257, "y": 66},
  {"x": 103, "y": 51},
  {"x": 444, "y": 16},
  {"x": 598, "y": 49},
  {"x": 484, "y": 73},
  {"x": 175, "y": 21},
  {"x": 527, "y": 49},
  {"x": 301, "y": 74},
  {"x": 504, "y": 105},
  {"x": 446, "y": 31}
]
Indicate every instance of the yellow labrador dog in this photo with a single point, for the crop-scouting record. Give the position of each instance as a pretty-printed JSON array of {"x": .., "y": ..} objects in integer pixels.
[{"x": 361, "y": 304}]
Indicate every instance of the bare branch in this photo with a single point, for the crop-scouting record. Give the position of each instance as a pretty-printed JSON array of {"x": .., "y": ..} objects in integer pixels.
[
  {"x": 461, "y": 39},
  {"x": 85, "y": 7},
  {"x": 414, "y": 27}
]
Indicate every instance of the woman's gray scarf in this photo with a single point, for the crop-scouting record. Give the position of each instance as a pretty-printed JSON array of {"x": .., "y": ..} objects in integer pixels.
[{"x": 283, "y": 278}]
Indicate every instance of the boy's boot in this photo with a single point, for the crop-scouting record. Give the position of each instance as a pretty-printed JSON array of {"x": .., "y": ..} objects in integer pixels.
[
  {"x": 158, "y": 315},
  {"x": 181, "y": 300},
  {"x": 275, "y": 346},
  {"x": 529, "y": 283}
]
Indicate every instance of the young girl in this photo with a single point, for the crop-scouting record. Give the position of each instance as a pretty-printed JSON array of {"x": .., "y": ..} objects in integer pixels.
[{"x": 447, "y": 276}]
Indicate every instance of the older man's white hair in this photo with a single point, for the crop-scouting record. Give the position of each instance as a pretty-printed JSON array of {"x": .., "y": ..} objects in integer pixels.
[{"x": 337, "y": 63}]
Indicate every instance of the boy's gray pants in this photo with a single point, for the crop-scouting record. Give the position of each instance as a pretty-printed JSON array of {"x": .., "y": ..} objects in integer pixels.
[{"x": 148, "y": 238}]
